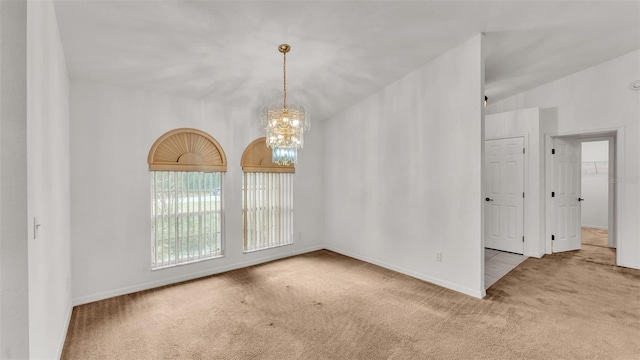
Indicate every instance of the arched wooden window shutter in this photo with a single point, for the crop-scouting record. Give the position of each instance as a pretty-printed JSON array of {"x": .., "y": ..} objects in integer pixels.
[
  {"x": 187, "y": 150},
  {"x": 257, "y": 158}
]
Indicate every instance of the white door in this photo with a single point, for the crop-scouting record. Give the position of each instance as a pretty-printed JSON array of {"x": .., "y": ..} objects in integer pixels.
[
  {"x": 504, "y": 194},
  {"x": 566, "y": 155}
]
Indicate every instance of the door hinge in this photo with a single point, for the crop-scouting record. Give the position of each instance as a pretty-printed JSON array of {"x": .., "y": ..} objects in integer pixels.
[
  {"x": 553, "y": 151},
  {"x": 523, "y": 239},
  {"x": 523, "y": 150},
  {"x": 553, "y": 194},
  {"x": 553, "y": 237},
  {"x": 523, "y": 195}
]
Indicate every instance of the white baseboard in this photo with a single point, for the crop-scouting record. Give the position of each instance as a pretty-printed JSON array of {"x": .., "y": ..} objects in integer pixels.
[
  {"x": 221, "y": 269},
  {"x": 191, "y": 276},
  {"x": 538, "y": 255},
  {"x": 631, "y": 266},
  {"x": 439, "y": 282},
  {"x": 66, "y": 329},
  {"x": 595, "y": 227}
]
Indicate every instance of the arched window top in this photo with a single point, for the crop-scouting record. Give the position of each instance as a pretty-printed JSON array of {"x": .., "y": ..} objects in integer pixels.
[
  {"x": 257, "y": 158},
  {"x": 187, "y": 150}
]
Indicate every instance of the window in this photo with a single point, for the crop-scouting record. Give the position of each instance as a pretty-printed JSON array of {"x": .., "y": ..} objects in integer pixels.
[
  {"x": 186, "y": 216},
  {"x": 267, "y": 198},
  {"x": 186, "y": 168},
  {"x": 268, "y": 210}
]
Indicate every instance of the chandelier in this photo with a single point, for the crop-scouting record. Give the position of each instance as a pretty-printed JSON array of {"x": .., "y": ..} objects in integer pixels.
[{"x": 284, "y": 123}]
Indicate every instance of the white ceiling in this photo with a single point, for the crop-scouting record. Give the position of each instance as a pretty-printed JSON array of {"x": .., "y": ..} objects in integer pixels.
[{"x": 341, "y": 51}]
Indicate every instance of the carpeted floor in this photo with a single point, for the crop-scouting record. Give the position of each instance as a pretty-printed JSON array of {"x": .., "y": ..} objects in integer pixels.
[
  {"x": 323, "y": 305},
  {"x": 595, "y": 237}
]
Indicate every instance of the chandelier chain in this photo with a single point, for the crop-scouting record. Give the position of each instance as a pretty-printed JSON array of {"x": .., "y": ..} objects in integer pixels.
[{"x": 284, "y": 82}]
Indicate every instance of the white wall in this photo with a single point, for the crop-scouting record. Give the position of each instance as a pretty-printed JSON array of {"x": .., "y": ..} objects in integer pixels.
[
  {"x": 14, "y": 292},
  {"x": 526, "y": 123},
  {"x": 595, "y": 99},
  {"x": 595, "y": 151},
  {"x": 112, "y": 130},
  {"x": 403, "y": 173},
  {"x": 48, "y": 183},
  {"x": 595, "y": 184}
]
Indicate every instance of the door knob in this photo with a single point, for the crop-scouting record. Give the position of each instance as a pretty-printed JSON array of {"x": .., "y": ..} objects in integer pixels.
[
  {"x": 488, "y": 199},
  {"x": 580, "y": 199}
]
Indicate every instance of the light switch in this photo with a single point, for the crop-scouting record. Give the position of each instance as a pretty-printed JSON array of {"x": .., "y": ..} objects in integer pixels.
[{"x": 36, "y": 225}]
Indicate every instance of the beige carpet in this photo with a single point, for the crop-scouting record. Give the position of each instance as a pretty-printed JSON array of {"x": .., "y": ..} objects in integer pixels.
[
  {"x": 323, "y": 305},
  {"x": 595, "y": 237}
]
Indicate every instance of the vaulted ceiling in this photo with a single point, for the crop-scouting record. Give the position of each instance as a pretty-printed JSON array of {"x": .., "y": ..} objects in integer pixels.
[{"x": 342, "y": 51}]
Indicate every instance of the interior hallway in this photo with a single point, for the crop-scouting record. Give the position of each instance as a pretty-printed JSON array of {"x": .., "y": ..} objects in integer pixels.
[
  {"x": 595, "y": 247},
  {"x": 595, "y": 237},
  {"x": 499, "y": 263}
]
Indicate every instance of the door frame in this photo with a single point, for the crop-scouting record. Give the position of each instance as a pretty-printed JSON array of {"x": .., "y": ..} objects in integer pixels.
[
  {"x": 615, "y": 136},
  {"x": 525, "y": 187},
  {"x": 611, "y": 189}
]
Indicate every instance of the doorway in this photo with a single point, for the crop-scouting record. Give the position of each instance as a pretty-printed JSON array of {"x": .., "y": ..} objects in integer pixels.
[
  {"x": 504, "y": 190},
  {"x": 504, "y": 194},
  {"x": 582, "y": 204},
  {"x": 595, "y": 191}
]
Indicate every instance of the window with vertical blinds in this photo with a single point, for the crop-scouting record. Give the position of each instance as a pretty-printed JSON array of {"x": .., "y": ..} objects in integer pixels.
[
  {"x": 268, "y": 210},
  {"x": 267, "y": 199},
  {"x": 187, "y": 217}
]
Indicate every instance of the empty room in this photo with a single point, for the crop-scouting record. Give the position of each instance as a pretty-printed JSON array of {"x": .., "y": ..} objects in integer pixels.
[{"x": 319, "y": 179}]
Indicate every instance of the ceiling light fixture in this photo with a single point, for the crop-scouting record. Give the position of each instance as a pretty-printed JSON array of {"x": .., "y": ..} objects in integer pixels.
[{"x": 285, "y": 124}]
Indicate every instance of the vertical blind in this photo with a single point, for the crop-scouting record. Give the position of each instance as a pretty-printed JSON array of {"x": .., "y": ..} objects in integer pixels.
[
  {"x": 267, "y": 209},
  {"x": 186, "y": 217}
]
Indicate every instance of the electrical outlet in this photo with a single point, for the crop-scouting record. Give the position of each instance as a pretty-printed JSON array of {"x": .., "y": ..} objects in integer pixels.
[{"x": 439, "y": 256}]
